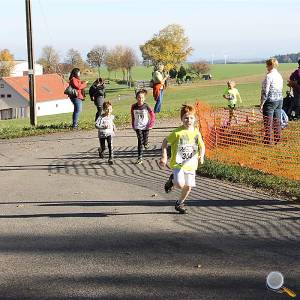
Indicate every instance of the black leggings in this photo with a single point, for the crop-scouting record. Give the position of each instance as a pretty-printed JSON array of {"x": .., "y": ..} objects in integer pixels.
[
  {"x": 142, "y": 136},
  {"x": 109, "y": 144}
]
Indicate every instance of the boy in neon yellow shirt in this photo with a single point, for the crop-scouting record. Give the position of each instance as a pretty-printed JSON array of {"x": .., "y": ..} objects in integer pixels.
[
  {"x": 232, "y": 94},
  {"x": 187, "y": 148}
]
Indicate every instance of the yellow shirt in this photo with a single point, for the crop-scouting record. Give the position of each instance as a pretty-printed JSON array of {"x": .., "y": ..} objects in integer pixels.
[
  {"x": 233, "y": 95},
  {"x": 185, "y": 148}
]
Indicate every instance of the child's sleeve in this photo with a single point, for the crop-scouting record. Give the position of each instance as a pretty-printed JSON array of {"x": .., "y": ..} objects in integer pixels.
[
  {"x": 152, "y": 117},
  {"x": 113, "y": 122},
  {"x": 98, "y": 122},
  {"x": 132, "y": 116},
  {"x": 239, "y": 97},
  {"x": 171, "y": 138}
]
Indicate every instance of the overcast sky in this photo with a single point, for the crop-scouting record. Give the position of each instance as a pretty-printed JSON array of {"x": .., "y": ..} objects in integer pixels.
[{"x": 240, "y": 29}]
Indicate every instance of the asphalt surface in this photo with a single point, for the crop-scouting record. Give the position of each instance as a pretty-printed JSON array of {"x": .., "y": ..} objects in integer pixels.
[{"x": 73, "y": 227}]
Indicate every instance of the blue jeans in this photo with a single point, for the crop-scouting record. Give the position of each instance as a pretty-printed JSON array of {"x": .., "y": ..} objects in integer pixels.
[
  {"x": 272, "y": 117},
  {"x": 158, "y": 103},
  {"x": 77, "y": 109}
]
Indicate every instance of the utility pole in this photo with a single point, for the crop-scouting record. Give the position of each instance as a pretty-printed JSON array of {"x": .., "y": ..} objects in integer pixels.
[{"x": 32, "y": 95}]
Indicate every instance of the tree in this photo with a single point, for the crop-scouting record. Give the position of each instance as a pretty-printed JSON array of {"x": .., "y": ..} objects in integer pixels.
[
  {"x": 181, "y": 73},
  {"x": 170, "y": 47},
  {"x": 173, "y": 73},
  {"x": 121, "y": 58},
  {"x": 198, "y": 68},
  {"x": 74, "y": 59},
  {"x": 128, "y": 60},
  {"x": 6, "y": 63},
  {"x": 49, "y": 60},
  {"x": 96, "y": 57},
  {"x": 113, "y": 59}
]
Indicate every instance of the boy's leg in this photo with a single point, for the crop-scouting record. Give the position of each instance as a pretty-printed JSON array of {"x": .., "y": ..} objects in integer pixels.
[
  {"x": 145, "y": 138},
  {"x": 185, "y": 180},
  {"x": 110, "y": 149},
  {"x": 139, "y": 135},
  {"x": 102, "y": 147}
]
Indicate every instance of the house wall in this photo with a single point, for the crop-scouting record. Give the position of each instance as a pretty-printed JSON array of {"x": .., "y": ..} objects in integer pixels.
[
  {"x": 54, "y": 107},
  {"x": 9, "y": 98},
  {"x": 21, "y": 69}
]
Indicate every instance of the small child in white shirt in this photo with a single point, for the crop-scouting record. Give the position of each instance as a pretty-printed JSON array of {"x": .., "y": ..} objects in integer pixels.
[{"x": 106, "y": 131}]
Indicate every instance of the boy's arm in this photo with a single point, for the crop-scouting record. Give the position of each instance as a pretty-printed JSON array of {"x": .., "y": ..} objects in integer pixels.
[
  {"x": 164, "y": 155},
  {"x": 202, "y": 149},
  {"x": 239, "y": 97},
  {"x": 152, "y": 117},
  {"x": 132, "y": 117}
]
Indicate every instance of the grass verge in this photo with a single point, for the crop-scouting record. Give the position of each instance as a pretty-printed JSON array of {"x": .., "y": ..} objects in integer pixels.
[{"x": 257, "y": 179}]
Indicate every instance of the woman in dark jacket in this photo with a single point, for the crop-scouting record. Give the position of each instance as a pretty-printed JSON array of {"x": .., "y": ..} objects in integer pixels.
[
  {"x": 76, "y": 83},
  {"x": 97, "y": 94}
]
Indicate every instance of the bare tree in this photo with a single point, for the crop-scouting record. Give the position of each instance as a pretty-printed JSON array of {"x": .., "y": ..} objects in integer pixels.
[
  {"x": 113, "y": 60},
  {"x": 49, "y": 60},
  {"x": 199, "y": 67},
  {"x": 74, "y": 59},
  {"x": 128, "y": 60},
  {"x": 6, "y": 62},
  {"x": 96, "y": 57}
]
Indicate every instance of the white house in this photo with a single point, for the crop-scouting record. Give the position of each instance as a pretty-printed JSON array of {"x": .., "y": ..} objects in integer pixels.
[
  {"x": 50, "y": 97},
  {"x": 21, "y": 69}
]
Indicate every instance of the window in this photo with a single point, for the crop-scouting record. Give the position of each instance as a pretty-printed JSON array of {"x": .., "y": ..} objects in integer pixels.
[
  {"x": 56, "y": 105},
  {"x": 46, "y": 89},
  {"x": 38, "y": 108},
  {"x": 1, "y": 85},
  {"x": 2, "y": 96},
  {"x": 8, "y": 95}
]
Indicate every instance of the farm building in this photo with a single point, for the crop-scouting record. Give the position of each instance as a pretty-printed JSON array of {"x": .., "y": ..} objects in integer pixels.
[
  {"x": 21, "y": 69},
  {"x": 50, "y": 97}
]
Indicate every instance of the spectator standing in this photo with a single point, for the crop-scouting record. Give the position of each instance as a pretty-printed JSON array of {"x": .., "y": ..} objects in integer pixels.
[
  {"x": 294, "y": 83},
  {"x": 79, "y": 86},
  {"x": 271, "y": 101},
  {"x": 143, "y": 118},
  {"x": 159, "y": 83},
  {"x": 97, "y": 95}
]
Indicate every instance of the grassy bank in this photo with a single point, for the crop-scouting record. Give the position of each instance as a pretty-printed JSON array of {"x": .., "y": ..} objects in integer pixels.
[{"x": 274, "y": 184}]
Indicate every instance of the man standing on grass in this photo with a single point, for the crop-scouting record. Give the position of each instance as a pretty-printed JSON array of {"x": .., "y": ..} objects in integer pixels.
[{"x": 159, "y": 81}]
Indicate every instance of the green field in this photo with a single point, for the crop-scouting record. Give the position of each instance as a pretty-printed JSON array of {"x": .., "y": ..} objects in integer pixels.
[{"x": 247, "y": 76}]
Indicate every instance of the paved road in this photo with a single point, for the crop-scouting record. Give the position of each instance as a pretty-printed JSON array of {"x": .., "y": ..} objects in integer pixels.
[{"x": 73, "y": 227}]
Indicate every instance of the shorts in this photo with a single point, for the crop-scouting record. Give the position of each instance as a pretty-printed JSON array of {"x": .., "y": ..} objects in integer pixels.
[{"x": 183, "y": 177}]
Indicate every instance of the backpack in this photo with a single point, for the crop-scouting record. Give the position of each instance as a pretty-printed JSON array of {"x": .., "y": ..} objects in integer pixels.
[{"x": 71, "y": 92}]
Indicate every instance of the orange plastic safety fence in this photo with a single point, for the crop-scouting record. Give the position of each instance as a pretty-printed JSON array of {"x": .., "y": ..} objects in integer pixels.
[{"x": 244, "y": 137}]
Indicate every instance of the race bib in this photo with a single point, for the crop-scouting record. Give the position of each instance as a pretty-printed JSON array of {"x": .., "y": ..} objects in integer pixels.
[
  {"x": 187, "y": 154},
  {"x": 141, "y": 119}
]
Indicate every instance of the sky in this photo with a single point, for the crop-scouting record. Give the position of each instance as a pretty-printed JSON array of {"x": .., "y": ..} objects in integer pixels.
[{"x": 235, "y": 29}]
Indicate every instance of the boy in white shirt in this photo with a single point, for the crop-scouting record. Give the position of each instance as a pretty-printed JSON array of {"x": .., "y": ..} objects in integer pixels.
[{"x": 106, "y": 131}]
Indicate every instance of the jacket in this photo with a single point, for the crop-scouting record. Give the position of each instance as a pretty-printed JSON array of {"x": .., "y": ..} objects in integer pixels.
[{"x": 79, "y": 86}]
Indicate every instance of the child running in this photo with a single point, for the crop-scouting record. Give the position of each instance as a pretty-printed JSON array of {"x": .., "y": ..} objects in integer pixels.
[
  {"x": 187, "y": 147},
  {"x": 231, "y": 93},
  {"x": 106, "y": 131},
  {"x": 143, "y": 118}
]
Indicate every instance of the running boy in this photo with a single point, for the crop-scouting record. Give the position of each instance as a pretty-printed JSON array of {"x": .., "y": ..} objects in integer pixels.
[
  {"x": 143, "y": 118},
  {"x": 187, "y": 148},
  {"x": 106, "y": 131},
  {"x": 232, "y": 95}
]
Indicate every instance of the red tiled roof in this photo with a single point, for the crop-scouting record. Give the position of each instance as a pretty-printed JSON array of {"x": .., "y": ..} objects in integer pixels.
[{"x": 48, "y": 86}]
